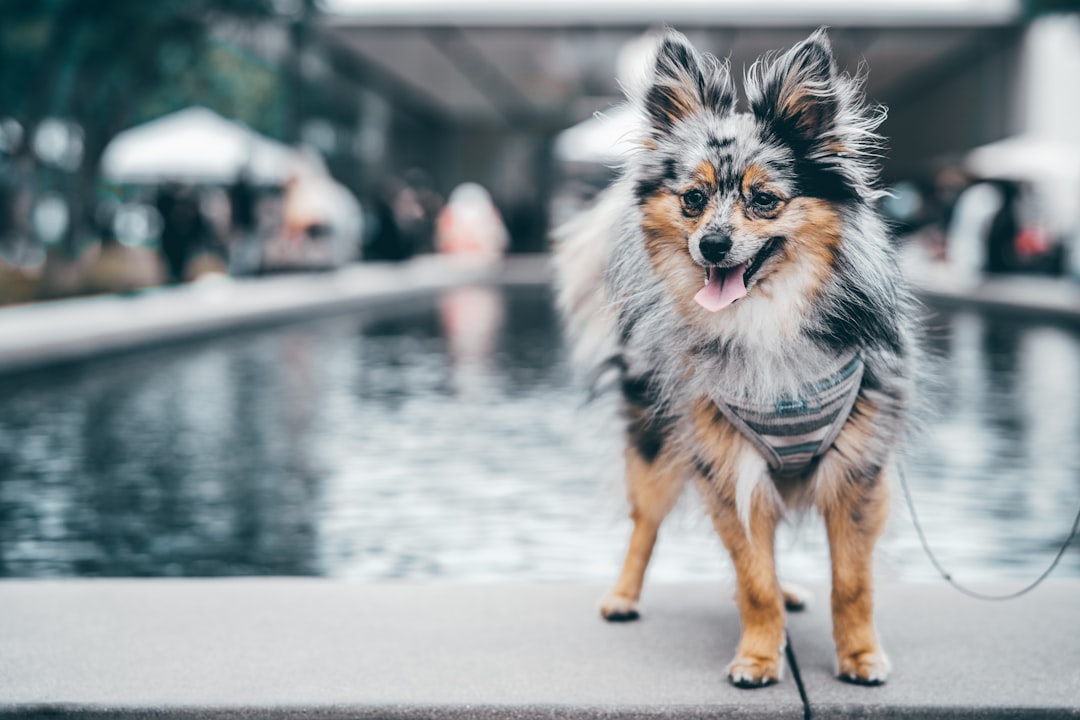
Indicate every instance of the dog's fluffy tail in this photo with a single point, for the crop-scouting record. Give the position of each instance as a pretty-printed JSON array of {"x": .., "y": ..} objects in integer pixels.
[{"x": 583, "y": 248}]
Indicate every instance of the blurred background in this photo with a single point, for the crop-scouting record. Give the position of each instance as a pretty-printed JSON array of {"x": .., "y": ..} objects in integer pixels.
[{"x": 150, "y": 150}]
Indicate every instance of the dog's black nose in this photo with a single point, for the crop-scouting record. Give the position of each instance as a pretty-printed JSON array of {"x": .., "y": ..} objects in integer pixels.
[{"x": 714, "y": 248}]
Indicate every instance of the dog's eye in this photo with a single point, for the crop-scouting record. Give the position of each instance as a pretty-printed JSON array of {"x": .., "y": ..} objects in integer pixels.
[
  {"x": 762, "y": 200},
  {"x": 694, "y": 201}
]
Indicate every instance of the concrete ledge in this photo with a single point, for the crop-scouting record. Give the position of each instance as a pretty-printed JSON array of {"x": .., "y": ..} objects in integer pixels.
[
  {"x": 54, "y": 332},
  {"x": 286, "y": 648},
  {"x": 955, "y": 657},
  {"x": 291, "y": 648},
  {"x": 1024, "y": 296}
]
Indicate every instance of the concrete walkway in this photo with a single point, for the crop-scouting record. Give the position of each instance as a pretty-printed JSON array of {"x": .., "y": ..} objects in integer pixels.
[
  {"x": 53, "y": 332},
  {"x": 1034, "y": 296},
  {"x": 285, "y": 648},
  {"x": 955, "y": 657}
]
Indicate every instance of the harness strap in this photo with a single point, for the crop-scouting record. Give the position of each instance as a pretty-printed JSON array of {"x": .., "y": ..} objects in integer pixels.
[{"x": 792, "y": 431}]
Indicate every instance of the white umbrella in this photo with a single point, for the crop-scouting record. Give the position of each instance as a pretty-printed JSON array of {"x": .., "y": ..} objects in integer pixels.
[
  {"x": 1026, "y": 157},
  {"x": 606, "y": 138},
  {"x": 195, "y": 145}
]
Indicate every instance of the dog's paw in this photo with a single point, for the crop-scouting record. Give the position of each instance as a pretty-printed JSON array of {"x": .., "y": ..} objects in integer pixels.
[
  {"x": 619, "y": 608},
  {"x": 865, "y": 668},
  {"x": 748, "y": 672},
  {"x": 796, "y": 597}
]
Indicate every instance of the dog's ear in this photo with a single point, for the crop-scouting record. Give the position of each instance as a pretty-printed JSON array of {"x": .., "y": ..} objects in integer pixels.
[
  {"x": 796, "y": 93},
  {"x": 685, "y": 82}
]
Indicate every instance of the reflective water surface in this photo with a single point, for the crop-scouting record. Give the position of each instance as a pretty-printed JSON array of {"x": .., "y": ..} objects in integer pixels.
[{"x": 446, "y": 439}]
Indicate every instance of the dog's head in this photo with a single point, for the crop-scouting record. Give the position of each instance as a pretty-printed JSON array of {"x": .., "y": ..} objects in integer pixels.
[{"x": 734, "y": 199}]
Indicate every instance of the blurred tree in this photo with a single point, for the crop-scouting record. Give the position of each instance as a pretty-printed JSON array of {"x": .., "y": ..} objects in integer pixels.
[
  {"x": 106, "y": 64},
  {"x": 227, "y": 79}
]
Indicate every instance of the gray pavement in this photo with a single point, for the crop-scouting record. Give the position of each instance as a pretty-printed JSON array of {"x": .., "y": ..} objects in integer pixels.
[
  {"x": 288, "y": 648},
  {"x": 1031, "y": 296},
  {"x": 51, "y": 332},
  {"x": 358, "y": 650},
  {"x": 955, "y": 657}
]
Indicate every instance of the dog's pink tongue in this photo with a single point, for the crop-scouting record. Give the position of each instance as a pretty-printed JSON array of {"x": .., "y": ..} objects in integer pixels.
[{"x": 725, "y": 286}]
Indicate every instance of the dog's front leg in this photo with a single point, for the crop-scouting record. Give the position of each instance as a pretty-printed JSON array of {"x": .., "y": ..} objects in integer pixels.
[
  {"x": 652, "y": 488},
  {"x": 855, "y": 514},
  {"x": 759, "y": 659}
]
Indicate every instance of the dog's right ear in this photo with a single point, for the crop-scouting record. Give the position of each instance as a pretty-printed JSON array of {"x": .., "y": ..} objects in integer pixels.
[{"x": 685, "y": 82}]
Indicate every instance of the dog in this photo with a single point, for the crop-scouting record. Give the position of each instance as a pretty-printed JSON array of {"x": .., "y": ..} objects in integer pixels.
[{"x": 739, "y": 280}]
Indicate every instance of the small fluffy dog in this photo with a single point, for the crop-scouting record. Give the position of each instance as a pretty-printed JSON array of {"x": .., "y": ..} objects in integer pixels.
[{"x": 739, "y": 279}]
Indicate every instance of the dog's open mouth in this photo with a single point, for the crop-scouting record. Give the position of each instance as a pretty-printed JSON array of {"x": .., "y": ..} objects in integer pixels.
[{"x": 723, "y": 286}]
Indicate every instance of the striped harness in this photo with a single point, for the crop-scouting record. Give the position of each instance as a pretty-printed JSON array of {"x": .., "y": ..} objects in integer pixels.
[{"x": 794, "y": 431}]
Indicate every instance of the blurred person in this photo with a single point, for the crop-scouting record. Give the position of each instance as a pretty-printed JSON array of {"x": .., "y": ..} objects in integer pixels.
[
  {"x": 1039, "y": 246},
  {"x": 302, "y": 218},
  {"x": 323, "y": 222},
  {"x": 1018, "y": 239},
  {"x": 387, "y": 242},
  {"x": 968, "y": 230},
  {"x": 408, "y": 216},
  {"x": 183, "y": 227},
  {"x": 243, "y": 240},
  {"x": 948, "y": 184},
  {"x": 470, "y": 226},
  {"x": 1001, "y": 236},
  {"x": 424, "y": 204},
  {"x": 242, "y": 202}
]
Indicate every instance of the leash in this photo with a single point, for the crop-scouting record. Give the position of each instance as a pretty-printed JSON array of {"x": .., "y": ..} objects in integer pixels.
[{"x": 974, "y": 593}]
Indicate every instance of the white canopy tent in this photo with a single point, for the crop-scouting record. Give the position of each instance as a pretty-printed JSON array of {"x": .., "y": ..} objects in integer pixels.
[
  {"x": 195, "y": 145},
  {"x": 1026, "y": 157},
  {"x": 605, "y": 139},
  {"x": 1052, "y": 166}
]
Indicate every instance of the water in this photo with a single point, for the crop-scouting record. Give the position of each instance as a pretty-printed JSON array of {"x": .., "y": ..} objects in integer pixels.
[{"x": 445, "y": 439}]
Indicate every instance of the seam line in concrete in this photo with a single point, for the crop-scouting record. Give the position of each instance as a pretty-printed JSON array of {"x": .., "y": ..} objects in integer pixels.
[{"x": 790, "y": 652}]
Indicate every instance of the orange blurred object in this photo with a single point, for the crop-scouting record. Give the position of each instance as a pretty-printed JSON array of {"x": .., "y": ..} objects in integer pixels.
[{"x": 470, "y": 225}]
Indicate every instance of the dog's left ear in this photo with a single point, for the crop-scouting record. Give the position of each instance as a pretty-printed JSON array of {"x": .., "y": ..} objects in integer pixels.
[{"x": 797, "y": 93}]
